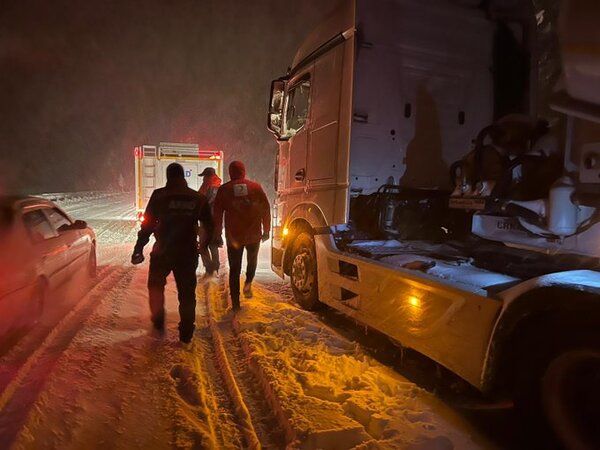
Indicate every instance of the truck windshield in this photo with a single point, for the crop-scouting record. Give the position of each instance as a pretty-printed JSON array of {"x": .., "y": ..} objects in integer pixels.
[{"x": 297, "y": 107}]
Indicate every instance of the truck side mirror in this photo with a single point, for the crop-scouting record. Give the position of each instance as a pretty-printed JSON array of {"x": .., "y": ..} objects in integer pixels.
[{"x": 275, "y": 118}]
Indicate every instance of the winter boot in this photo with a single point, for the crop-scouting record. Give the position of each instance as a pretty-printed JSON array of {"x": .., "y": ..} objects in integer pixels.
[
  {"x": 235, "y": 304},
  {"x": 186, "y": 334},
  {"x": 248, "y": 290}
]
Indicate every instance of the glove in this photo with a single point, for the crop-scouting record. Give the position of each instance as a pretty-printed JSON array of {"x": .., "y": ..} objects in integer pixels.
[
  {"x": 265, "y": 236},
  {"x": 137, "y": 258}
]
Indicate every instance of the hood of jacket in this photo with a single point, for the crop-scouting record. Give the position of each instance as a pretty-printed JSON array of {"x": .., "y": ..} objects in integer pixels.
[{"x": 237, "y": 170}]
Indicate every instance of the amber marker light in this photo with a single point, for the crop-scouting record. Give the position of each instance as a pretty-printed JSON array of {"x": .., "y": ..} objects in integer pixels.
[{"x": 414, "y": 301}]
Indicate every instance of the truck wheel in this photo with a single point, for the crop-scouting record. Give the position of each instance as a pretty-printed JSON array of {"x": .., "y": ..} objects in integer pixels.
[
  {"x": 304, "y": 272},
  {"x": 571, "y": 397},
  {"x": 558, "y": 391}
]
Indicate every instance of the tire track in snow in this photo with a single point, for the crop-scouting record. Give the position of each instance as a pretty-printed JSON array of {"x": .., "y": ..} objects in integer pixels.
[
  {"x": 79, "y": 365},
  {"x": 259, "y": 424},
  {"x": 117, "y": 368},
  {"x": 202, "y": 395},
  {"x": 22, "y": 391},
  {"x": 203, "y": 399},
  {"x": 242, "y": 412},
  {"x": 13, "y": 361},
  {"x": 113, "y": 387}
]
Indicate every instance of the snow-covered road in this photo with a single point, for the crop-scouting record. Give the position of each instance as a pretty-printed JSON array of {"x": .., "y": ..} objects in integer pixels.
[{"x": 92, "y": 374}]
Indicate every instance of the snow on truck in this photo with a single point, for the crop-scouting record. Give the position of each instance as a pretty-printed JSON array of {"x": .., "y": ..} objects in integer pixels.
[
  {"x": 151, "y": 163},
  {"x": 421, "y": 193}
]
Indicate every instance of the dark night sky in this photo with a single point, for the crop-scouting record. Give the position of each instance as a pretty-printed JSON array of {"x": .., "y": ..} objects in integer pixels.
[{"x": 82, "y": 82}]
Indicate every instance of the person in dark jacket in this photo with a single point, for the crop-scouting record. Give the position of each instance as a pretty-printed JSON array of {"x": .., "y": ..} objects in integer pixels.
[
  {"x": 247, "y": 222},
  {"x": 172, "y": 215},
  {"x": 209, "y": 251}
]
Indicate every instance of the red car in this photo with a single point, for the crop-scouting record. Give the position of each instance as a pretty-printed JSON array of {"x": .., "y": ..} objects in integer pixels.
[{"x": 41, "y": 247}]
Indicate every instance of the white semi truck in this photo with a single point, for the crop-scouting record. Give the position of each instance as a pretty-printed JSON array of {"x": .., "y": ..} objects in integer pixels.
[
  {"x": 421, "y": 192},
  {"x": 151, "y": 162}
]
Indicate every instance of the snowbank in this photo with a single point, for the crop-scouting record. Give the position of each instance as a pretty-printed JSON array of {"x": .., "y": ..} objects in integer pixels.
[{"x": 330, "y": 395}]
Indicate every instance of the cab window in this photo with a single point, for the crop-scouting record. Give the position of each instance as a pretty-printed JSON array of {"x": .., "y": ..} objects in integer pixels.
[
  {"x": 38, "y": 226},
  {"x": 57, "y": 218},
  {"x": 298, "y": 104}
]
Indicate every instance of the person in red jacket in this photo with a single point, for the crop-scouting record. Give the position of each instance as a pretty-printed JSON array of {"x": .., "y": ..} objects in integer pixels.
[
  {"x": 209, "y": 251},
  {"x": 247, "y": 223}
]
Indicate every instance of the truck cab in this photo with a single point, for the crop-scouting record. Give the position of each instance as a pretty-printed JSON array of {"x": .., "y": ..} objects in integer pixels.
[{"x": 433, "y": 186}]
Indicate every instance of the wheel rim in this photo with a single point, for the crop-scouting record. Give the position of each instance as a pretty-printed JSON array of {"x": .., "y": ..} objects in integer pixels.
[
  {"x": 571, "y": 398},
  {"x": 302, "y": 271}
]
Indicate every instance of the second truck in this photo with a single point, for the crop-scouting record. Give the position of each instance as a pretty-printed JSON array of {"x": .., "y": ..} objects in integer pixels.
[{"x": 151, "y": 163}]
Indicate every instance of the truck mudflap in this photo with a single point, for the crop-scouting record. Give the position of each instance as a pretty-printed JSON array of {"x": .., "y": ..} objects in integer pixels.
[{"x": 442, "y": 320}]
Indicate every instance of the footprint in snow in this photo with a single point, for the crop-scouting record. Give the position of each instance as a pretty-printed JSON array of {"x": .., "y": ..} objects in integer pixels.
[{"x": 186, "y": 382}]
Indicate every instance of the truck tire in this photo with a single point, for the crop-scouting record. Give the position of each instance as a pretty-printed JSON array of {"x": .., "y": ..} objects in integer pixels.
[
  {"x": 571, "y": 397},
  {"x": 558, "y": 392},
  {"x": 303, "y": 272}
]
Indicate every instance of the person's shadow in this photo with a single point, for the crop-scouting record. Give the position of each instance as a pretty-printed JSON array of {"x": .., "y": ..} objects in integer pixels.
[{"x": 425, "y": 167}]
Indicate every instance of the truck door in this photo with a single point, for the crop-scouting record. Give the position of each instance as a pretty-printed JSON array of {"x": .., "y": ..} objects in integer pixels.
[
  {"x": 324, "y": 129},
  {"x": 291, "y": 178},
  {"x": 296, "y": 119},
  {"x": 325, "y": 116}
]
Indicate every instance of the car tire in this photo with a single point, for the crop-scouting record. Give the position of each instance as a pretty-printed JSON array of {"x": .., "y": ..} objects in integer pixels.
[
  {"x": 92, "y": 267},
  {"x": 303, "y": 272}
]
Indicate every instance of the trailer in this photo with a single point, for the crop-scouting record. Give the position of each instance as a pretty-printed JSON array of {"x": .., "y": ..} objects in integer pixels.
[
  {"x": 151, "y": 163},
  {"x": 421, "y": 193}
]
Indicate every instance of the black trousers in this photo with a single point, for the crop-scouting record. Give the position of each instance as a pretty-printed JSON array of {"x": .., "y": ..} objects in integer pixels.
[
  {"x": 234, "y": 254},
  {"x": 184, "y": 271}
]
